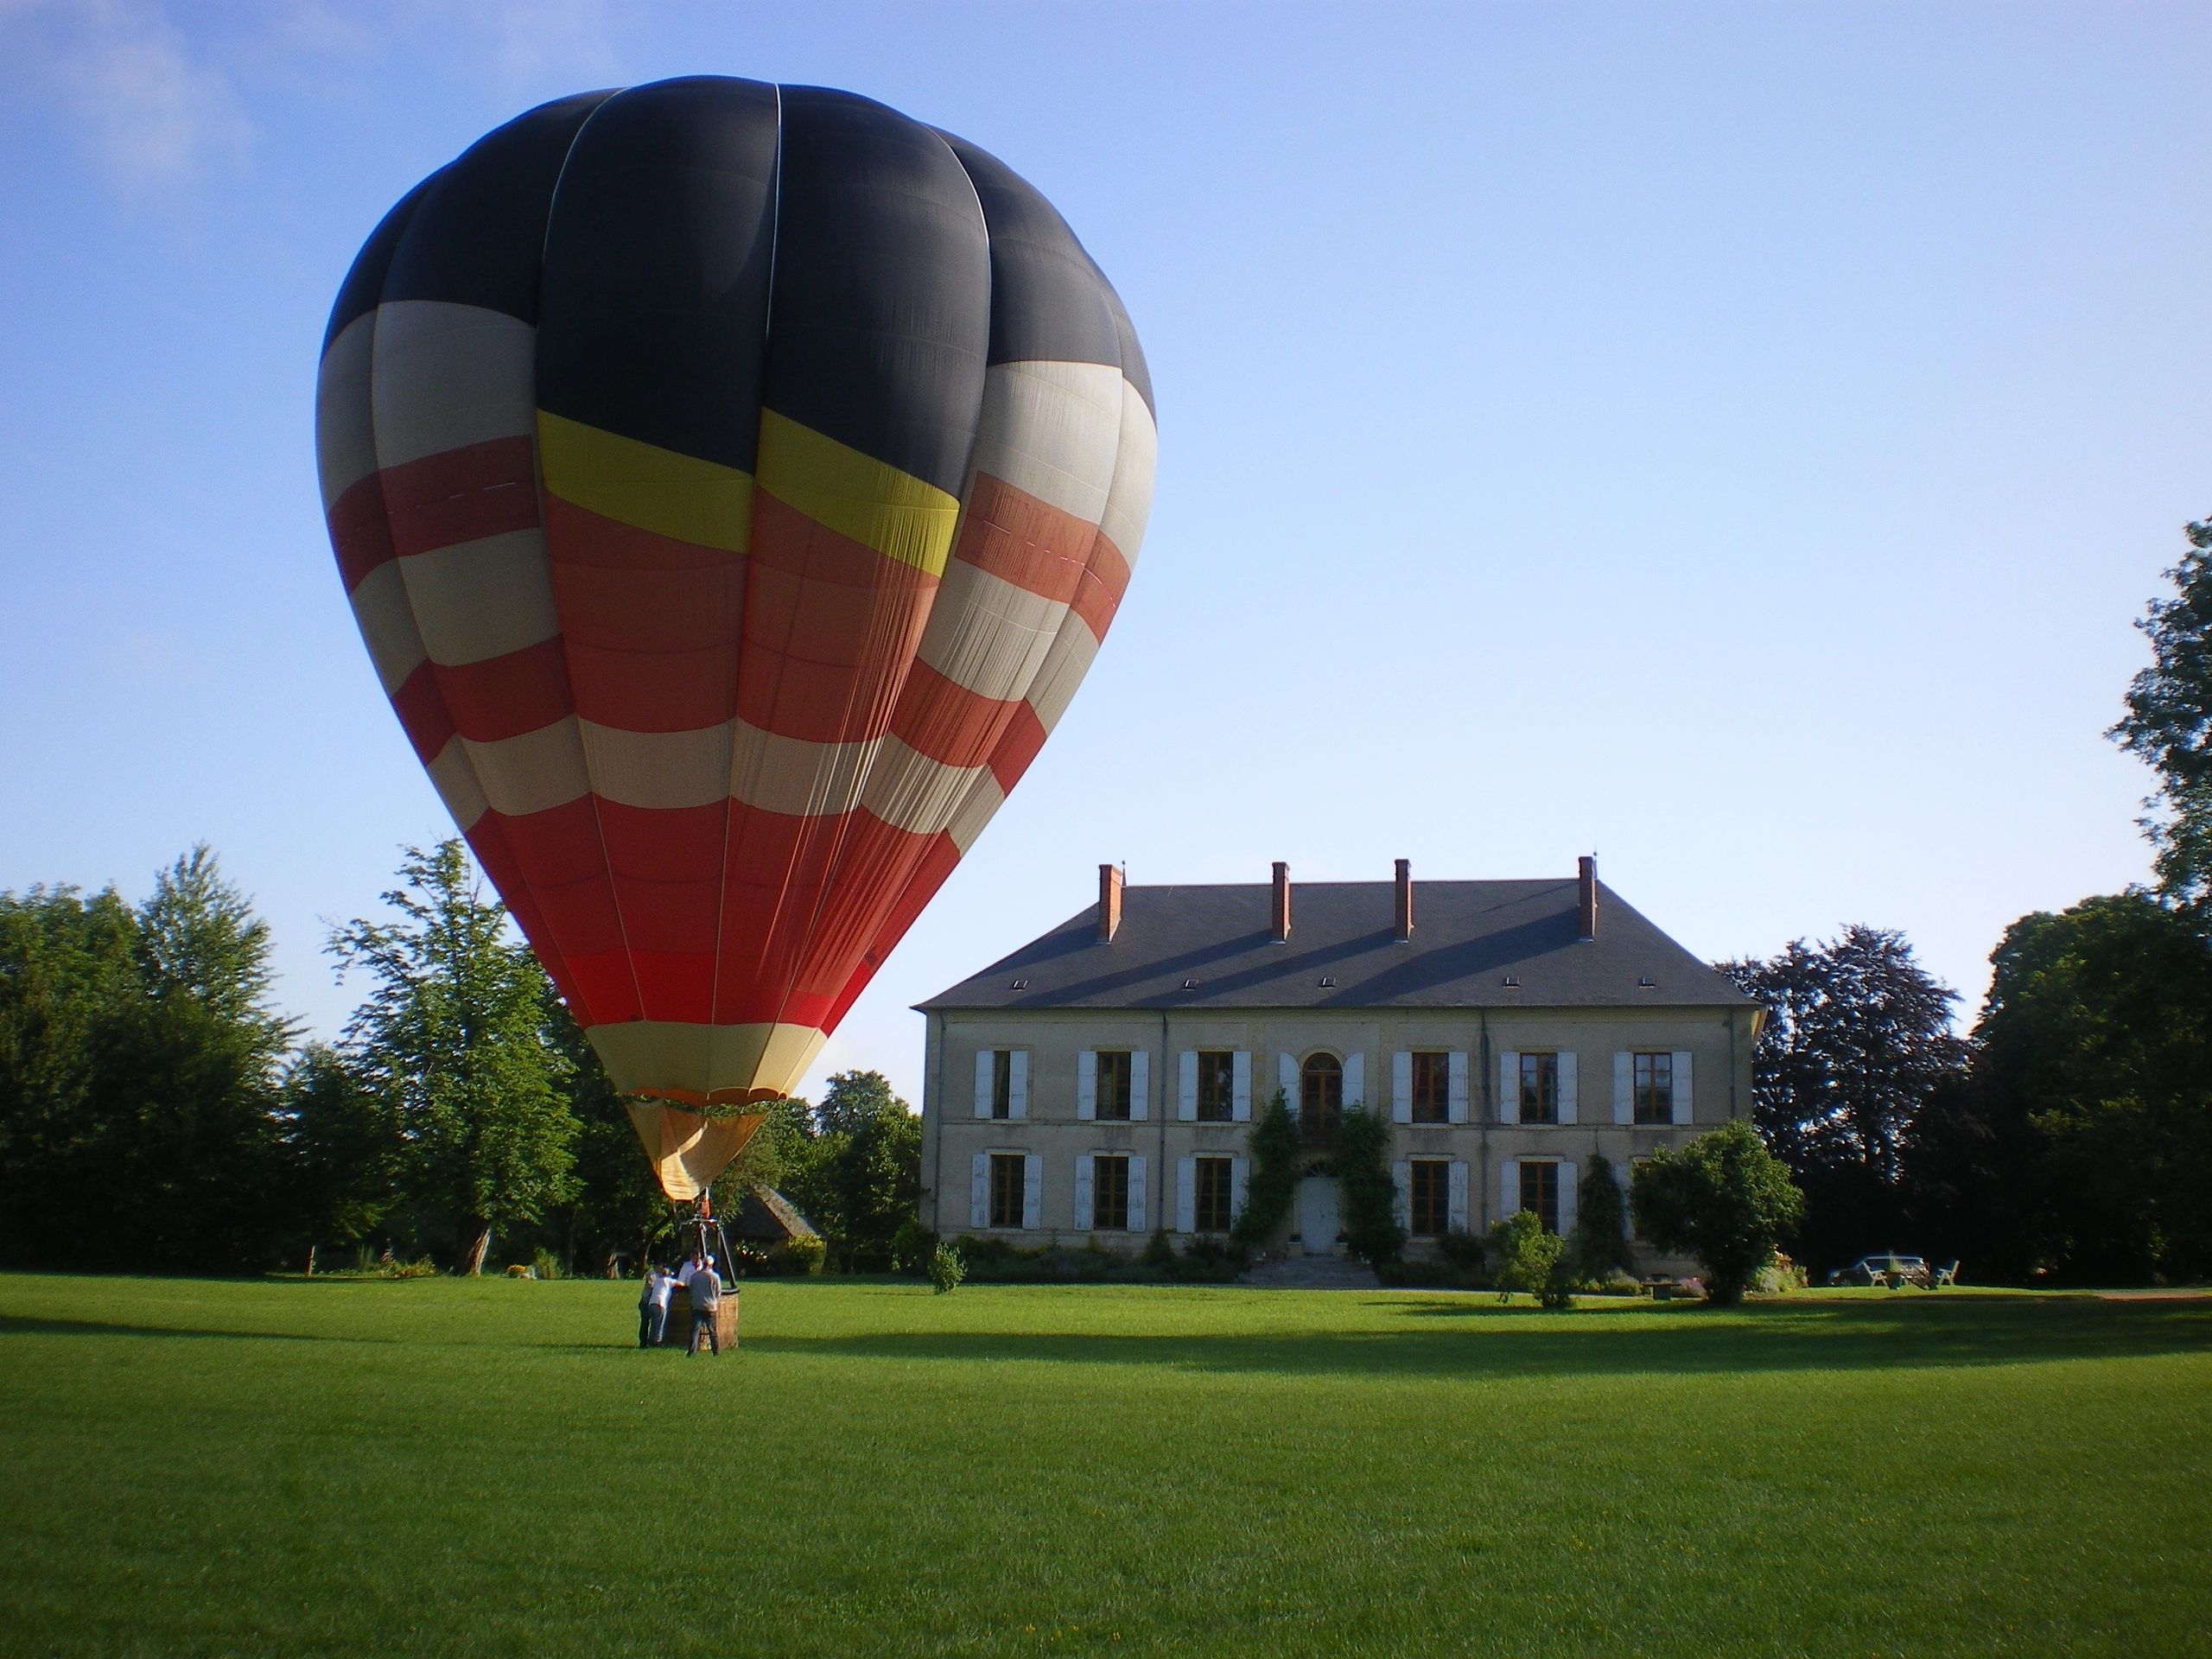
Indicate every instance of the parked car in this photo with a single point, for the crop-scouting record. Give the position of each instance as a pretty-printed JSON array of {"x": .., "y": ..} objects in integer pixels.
[{"x": 1885, "y": 1269}]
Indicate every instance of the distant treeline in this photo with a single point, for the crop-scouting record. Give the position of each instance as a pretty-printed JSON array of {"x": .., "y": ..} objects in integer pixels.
[
  {"x": 2068, "y": 1138},
  {"x": 158, "y": 1113}
]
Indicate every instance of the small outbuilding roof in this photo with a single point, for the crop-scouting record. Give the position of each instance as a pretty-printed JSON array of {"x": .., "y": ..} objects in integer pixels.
[{"x": 1474, "y": 944}]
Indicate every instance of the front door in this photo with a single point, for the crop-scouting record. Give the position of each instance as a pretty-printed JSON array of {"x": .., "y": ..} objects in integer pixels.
[{"x": 1317, "y": 1215}]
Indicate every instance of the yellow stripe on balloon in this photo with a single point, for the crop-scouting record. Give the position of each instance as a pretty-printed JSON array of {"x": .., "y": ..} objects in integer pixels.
[
  {"x": 645, "y": 485},
  {"x": 861, "y": 498}
]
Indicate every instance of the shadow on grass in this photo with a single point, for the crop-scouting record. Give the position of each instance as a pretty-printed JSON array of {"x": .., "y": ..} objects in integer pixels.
[
  {"x": 13, "y": 1324},
  {"x": 1473, "y": 1340}
]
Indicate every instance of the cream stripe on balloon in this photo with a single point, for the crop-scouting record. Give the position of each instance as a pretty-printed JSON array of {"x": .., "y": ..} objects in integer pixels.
[
  {"x": 455, "y": 779},
  {"x": 671, "y": 771},
  {"x": 387, "y": 624},
  {"x": 1128, "y": 503},
  {"x": 711, "y": 1059},
  {"x": 427, "y": 350},
  {"x": 479, "y": 599},
  {"x": 986, "y": 635},
  {"x": 1065, "y": 664},
  {"x": 980, "y": 805},
  {"x": 345, "y": 424},
  {"x": 1050, "y": 429}
]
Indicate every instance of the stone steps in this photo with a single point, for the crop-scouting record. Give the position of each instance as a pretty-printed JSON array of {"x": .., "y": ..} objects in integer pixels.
[{"x": 1313, "y": 1273}]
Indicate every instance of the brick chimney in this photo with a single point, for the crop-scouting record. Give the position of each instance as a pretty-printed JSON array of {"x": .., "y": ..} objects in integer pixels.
[
  {"x": 1109, "y": 901},
  {"x": 1586, "y": 899},
  {"x": 1281, "y": 912},
  {"x": 1405, "y": 907}
]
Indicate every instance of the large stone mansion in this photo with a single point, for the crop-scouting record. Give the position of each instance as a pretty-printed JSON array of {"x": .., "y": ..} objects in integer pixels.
[{"x": 1102, "y": 1081}]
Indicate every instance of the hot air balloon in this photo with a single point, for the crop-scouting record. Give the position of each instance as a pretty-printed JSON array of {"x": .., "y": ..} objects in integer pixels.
[{"x": 731, "y": 483}]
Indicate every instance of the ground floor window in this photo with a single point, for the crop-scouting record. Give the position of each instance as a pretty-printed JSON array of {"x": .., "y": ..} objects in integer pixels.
[
  {"x": 1109, "y": 1194},
  {"x": 1428, "y": 1203},
  {"x": 1539, "y": 1191},
  {"x": 1211, "y": 1198},
  {"x": 1009, "y": 1188}
]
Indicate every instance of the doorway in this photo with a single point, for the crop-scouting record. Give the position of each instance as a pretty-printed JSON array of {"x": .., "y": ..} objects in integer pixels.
[{"x": 1318, "y": 1219}]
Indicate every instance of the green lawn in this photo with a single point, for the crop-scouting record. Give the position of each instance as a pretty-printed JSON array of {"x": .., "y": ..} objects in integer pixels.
[{"x": 350, "y": 1467}]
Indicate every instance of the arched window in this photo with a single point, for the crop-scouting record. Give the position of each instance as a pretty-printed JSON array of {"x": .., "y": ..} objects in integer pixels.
[{"x": 1320, "y": 1096}]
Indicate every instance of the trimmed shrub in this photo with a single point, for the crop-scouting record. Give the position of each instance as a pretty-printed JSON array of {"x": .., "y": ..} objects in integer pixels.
[
  {"x": 1723, "y": 1200},
  {"x": 1525, "y": 1254},
  {"x": 1370, "y": 1195},
  {"x": 946, "y": 1270},
  {"x": 1272, "y": 1182},
  {"x": 912, "y": 1246}
]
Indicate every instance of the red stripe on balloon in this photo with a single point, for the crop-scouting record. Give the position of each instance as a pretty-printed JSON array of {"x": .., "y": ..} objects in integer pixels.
[
  {"x": 462, "y": 495},
  {"x": 1019, "y": 539},
  {"x": 422, "y": 710},
  {"x": 360, "y": 535},
  {"x": 948, "y": 723},
  {"x": 829, "y": 630},
  {"x": 506, "y": 696},
  {"x": 651, "y": 624},
  {"x": 1104, "y": 583},
  {"x": 1017, "y": 746}
]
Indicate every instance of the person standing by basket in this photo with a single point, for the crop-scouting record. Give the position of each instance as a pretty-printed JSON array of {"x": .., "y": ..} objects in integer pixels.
[
  {"x": 706, "y": 1304},
  {"x": 653, "y": 1306}
]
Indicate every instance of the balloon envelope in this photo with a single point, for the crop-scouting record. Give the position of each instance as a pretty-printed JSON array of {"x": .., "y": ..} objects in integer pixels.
[{"x": 732, "y": 484}]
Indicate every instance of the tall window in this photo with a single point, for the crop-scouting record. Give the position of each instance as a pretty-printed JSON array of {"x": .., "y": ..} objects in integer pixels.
[
  {"x": 1001, "y": 1084},
  {"x": 1113, "y": 1081},
  {"x": 1320, "y": 1096},
  {"x": 1431, "y": 1086},
  {"x": 1216, "y": 1085},
  {"x": 1539, "y": 1191},
  {"x": 1539, "y": 1089},
  {"x": 1654, "y": 1088},
  {"x": 1428, "y": 1205},
  {"x": 1109, "y": 1194},
  {"x": 1009, "y": 1188},
  {"x": 1212, "y": 1196}
]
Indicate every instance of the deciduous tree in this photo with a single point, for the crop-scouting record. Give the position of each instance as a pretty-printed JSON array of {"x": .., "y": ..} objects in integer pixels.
[
  {"x": 2168, "y": 725},
  {"x": 1722, "y": 1198},
  {"x": 452, "y": 1040}
]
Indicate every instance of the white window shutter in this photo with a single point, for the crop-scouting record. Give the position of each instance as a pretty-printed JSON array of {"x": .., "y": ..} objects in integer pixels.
[
  {"x": 1240, "y": 1170},
  {"x": 1457, "y": 1195},
  {"x": 1140, "y": 1086},
  {"x": 1186, "y": 1195},
  {"x": 1017, "y": 1092},
  {"x": 1239, "y": 1105},
  {"x": 1508, "y": 1188},
  {"x": 1459, "y": 1085},
  {"x": 1401, "y": 1182},
  {"x": 983, "y": 1081},
  {"x": 1083, "y": 1211},
  {"x": 1286, "y": 1079},
  {"x": 1032, "y": 1191},
  {"x": 1086, "y": 1084},
  {"x": 1567, "y": 1092},
  {"x": 1356, "y": 1079},
  {"x": 979, "y": 1190},
  {"x": 1186, "y": 1095},
  {"x": 1684, "y": 1111},
  {"x": 1136, "y": 1193},
  {"x": 1401, "y": 1087},
  {"x": 1567, "y": 1196},
  {"x": 1623, "y": 1087},
  {"x": 1509, "y": 1090}
]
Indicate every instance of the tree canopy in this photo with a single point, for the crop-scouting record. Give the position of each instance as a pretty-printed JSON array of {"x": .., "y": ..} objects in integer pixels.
[{"x": 2168, "y": 725}]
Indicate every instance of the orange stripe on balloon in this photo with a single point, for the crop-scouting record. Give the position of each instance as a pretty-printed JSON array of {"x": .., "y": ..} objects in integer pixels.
[{"x": 1103, "y": 584}]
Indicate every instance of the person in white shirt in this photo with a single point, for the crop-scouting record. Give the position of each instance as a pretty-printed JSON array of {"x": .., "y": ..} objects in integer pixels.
[{"x": 653, "y": 1306}]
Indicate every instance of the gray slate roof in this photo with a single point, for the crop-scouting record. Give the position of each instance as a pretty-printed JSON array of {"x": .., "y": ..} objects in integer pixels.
[{"x": 1468, "y": 935}]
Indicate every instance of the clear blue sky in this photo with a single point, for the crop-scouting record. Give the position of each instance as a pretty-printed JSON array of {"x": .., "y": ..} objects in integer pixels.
[{"x": 1734, "y": 438}]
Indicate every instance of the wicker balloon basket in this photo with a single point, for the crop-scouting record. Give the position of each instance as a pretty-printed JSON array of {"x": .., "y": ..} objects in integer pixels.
[{"x": 678, "y": 1331}]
